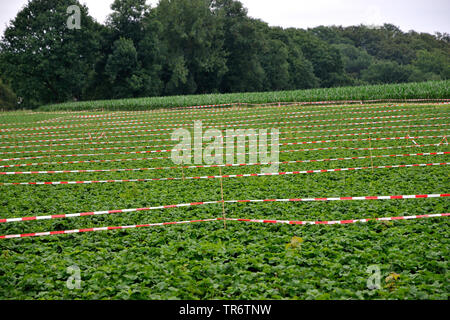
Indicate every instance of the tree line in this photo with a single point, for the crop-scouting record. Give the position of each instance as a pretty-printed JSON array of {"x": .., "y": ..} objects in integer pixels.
[{"x": 194, "y": 47}]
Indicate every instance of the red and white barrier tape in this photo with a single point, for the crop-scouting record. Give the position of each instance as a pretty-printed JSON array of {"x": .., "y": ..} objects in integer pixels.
[
  {"x": 207, "y": 106},
  {"x": 192, "y": 204},
  {"x": 65, "y": 133},
  {"x": 161, "y": 158},
  {"x": 304, "y": 114},
  {"x": 247, "y": 135},
  {"x": 262, "y": 105},
  {"x": 224, "y": 147},
  {"x": 231, "y": 108},
  {"x": 49, "y": 233},
  {"x": 244, "y": 108},
  {"x": 374, "y": 101},
  {"x": 282, "y": 104},
  {"x": 222, "y": 136},
  {"x": 245, "y": 175},
  {"x": 243, "y": 115},
  {"x": 338, "y": 221},
  {"x": 203, "y": 166},
  {"x": 174, "y": 127}
]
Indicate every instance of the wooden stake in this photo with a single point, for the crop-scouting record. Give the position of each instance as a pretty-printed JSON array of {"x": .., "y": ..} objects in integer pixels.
[
  {"x": 409, "y": 130},
  {"x": 223, "y": 202},
  {"x": 370, "y": 150},
  {"x": 340, "y": 143}
]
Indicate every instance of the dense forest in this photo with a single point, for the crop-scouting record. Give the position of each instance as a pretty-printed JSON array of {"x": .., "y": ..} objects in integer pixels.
[{"x": 195, "y": 47}]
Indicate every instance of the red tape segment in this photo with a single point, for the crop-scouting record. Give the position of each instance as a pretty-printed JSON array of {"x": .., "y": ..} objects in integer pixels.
[
  {"x": 106, "y": 212},
  {"x": 194, "y": 167},
  {"x": 168, "y": 139},
  {"x": 161, "y": 158},
  {"x": 223, "y": 136},
  {"x": 338, "y": 221},
  {"x": 174, "y": 127},
  {"x": 246, "y": 114},
  {"x": 114, "y": 130},
  {"x": 224, "y": 147},
  {"x": 246, "y": 175},
  {"x": 49, "y": 233}
]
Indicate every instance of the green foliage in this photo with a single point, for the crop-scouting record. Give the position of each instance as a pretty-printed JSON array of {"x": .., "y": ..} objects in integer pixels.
[
  {"x": 426, "y": 90},
  {"x": 300, "y": 71},
  {"x": 326, "y": 60},
  {"x": 43, "y": 59},
  {"x": 127, "y": 18},
  {"x": 8, "y": 99},
  {"x": 242, "y": 45},
  {"x": 386, "y": 72},
  {"x": 245, "y": 260},
  {"x": 355, "y": 60},
  {"x": 425, "y": 54},
  {"x": 192, "y": 44},
  {"x": 434, "y": 62},
  {"x": 122, "y": 67}
]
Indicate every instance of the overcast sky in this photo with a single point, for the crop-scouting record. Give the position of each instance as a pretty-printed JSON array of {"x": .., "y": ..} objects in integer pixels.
[{"x": 423, "y": 16}]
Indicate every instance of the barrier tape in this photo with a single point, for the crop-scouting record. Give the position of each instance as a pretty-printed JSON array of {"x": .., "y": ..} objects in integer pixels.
[
  {"x": 137, "y": 121},
  {"x": 224, "y": 147},
  {"x": 247, "y": 108},
  {"x": 232, "y": 107},
  {"x": 221, "y": 136},
  {"x": 244, "y": 175},
  {"x": 246, "y": 115},
  {"x": 49, "y": 233},
  {"x": 213, "y": 165},
  {"x": 192, "y": 204},
  {"x": 206, "y": 166},
  {"x": 174, "y": 127},
  {"x": 65, "y": 133},
  {"x": 247, "y": 135},
  {"x": 161, "y": 158},
  {"x": 338, "y": 221},
  {"x": 176, "y": 120},
  {"x": 280, "y": 104}
]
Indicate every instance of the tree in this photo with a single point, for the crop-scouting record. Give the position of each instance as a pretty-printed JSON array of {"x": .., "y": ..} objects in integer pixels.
[
  {"x": 122, "y": 68},
  {"x": 330, "y": 34},
  {"x": 44, "y": 60},
  {"x": 151, "y": 56},
  {"x": 354, "y": 59},
  {"x": 242, "y": 46},
  {"x": 131, "y": 30},
  {"x": 435, "y": 62},
  {"x": 326, "y": 60},
  {"x": 386, "y": 72},
  {"x": 127, "y": 18},
  {"x": 274, "y": 61},
  {"x": 192, "y": 42},
  {"x": 8, "y": 99},
  {"x": 300, "y": 69}
]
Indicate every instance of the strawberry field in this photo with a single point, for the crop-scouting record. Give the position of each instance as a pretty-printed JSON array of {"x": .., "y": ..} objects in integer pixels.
[{"x": 69, "y": 179}]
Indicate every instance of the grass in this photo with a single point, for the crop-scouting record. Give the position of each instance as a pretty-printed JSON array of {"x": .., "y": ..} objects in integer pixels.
[{"x": 244, "y": 261}]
